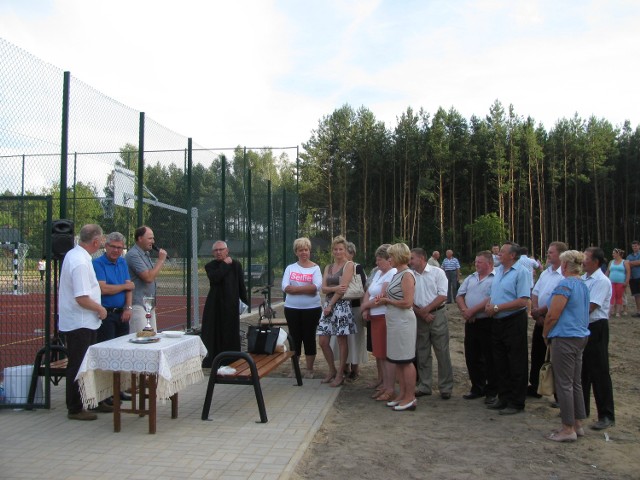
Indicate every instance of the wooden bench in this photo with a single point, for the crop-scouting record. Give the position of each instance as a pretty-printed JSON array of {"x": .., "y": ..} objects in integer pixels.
[
  {"x": 57, "y": 369},
  {"x": 250, "y": 368}
]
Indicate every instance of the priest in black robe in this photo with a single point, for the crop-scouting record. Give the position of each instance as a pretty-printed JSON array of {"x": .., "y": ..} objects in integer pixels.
[{"x": 221, "y": 316}]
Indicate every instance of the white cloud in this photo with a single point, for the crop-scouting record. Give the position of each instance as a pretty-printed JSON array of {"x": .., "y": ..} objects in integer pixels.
[{"x": 261, "y": 73}]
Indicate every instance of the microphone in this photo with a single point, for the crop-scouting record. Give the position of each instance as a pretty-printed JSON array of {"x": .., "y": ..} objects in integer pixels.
[{"x": 155, "y": 248}]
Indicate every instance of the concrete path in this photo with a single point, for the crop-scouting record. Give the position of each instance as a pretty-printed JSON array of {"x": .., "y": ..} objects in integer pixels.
[{"x": 45, "y": 444}]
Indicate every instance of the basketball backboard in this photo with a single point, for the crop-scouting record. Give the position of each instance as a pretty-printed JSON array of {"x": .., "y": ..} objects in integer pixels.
[{"x": 124, "y": 187}]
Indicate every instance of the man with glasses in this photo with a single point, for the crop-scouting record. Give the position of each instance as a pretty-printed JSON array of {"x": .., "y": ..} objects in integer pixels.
[
  {"x": 116, "y": 288},
  {"x": 143, "y": 274}
]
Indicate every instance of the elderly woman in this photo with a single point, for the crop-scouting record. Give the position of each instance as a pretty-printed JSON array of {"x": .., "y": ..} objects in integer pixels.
[
  {"x": 337, "y": 318},
  {"x": 356, "y": 342},
  {"x": 376, "y": 315},
  {"x": 566, "y": 330},
  {"x": 401, "y": 326},
  {"x": 619, "y": 272},
  {"x": 301, "y": 282}
]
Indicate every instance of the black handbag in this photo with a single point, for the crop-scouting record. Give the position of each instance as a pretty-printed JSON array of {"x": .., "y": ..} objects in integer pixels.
[{"x": 262, "y": 339}]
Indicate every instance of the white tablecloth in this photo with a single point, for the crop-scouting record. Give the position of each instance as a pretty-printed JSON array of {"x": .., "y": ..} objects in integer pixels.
[{"x": 177, "y": 362}]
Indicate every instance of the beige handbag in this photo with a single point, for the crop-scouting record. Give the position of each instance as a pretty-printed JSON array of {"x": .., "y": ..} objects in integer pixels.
[
  {"x": 545, "y": 382},
  {"x": 355, "y": 290}
]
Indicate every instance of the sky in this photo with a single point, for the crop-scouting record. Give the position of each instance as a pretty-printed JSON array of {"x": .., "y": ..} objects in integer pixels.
[{"x": 265, "y": 72}]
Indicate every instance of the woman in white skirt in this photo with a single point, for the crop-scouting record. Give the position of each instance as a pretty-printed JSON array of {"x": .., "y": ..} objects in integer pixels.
[{"x": 401, "y": 326}]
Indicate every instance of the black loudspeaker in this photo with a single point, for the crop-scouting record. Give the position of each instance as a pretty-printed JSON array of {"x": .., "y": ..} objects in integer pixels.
[{"x": 61, "y": 238}]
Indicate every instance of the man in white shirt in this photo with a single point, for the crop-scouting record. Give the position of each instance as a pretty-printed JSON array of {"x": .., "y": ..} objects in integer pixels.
[
  {"x": 539, "y": 298},
  {"x": 595, "y": 358},
  {"x": 433, "y": 329},
  {"x": 80, "y": 311}
]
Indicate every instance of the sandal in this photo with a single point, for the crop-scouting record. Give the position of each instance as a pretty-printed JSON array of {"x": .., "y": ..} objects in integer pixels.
[
  {"x": 308, "y": 374},
  {"x": 377, "y": 392},
  {"x": 329, "y": 378},
  {"x": 337, "y": 383},
  {"x": 562, "y": 437},
  {"x": 386, "y": 396},
  {"x": 376, "y": 385}
]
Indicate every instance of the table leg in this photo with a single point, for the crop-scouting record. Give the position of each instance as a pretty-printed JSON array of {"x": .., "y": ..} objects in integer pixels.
[
  {"x": 142, "y": 389},
  {"x": 174, "y": 405},
  {"x": 134, "y": 391},
  {"x": 116, "y": 401},
  {"x": 152, "y": 383}
]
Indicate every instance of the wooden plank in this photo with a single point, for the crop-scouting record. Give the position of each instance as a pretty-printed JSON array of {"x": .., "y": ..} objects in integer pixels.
[
  {"x": 265, "y": 364},
  {"x": 59, "y": 363}
]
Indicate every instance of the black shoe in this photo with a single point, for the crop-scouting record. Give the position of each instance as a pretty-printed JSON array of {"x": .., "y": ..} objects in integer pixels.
[
  {"x": 124, "y": 396},
  {"x": 532, "y": 391},
  {"x": 510, "y": 411},
  {"x": 471, "y": 396},
  {"x": 497, "y": 405},
  {"x": 82, "y": 415},
  {"x": 445, "y": 396},
  {"x": 490, "y": 399},
  {"x": 420, "y": 393},
  {"x": 555, "y": 405},
  {"x": 103, "y": 408},
  {"x": 604, "y": 422}
]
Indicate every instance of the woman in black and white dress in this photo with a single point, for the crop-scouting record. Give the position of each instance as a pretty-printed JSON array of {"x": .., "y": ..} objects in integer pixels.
[{"x": 337, "y": 318}]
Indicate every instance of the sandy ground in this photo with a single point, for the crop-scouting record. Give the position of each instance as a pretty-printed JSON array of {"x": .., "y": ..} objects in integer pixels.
[{"x": 461, "y": 439}]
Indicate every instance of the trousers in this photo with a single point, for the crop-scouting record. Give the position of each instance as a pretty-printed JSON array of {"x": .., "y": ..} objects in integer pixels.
[{"x": 434, "y": 335}]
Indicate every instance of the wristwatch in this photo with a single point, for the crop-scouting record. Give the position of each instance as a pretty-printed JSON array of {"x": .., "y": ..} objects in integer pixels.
[
  {"x": 495, "y": 308},
  {"x": 129, "y": 307}
]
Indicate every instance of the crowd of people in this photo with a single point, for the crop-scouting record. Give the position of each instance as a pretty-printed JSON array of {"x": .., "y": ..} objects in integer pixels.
[
  {"x": 404, "y": 311},
  {"x": 401, "y": 317}
]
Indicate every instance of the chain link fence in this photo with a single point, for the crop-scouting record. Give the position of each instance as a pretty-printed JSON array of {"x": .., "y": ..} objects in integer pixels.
[{"x": 97, "y": 159}]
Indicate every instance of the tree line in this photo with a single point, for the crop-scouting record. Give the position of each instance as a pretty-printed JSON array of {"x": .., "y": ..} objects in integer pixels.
[
  {"x": 442, "y": 181},
  {"x": 437, "y": 181}
]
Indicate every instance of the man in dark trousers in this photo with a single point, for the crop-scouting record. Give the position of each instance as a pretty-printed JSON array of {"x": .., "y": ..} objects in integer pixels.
[
  {"x": 221, "y": 316},
  {"x": 510, "y": 293},
  {"x": 595, "y": 358}
]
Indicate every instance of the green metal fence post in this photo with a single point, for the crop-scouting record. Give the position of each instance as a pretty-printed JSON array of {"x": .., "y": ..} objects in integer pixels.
[
  {"x": 269, "y": 232},
  {"x": 64, "y": 144},
  {"x": 249, "y": 235},
  {"x": 223, "y": 180},
  {"x": 188, "y": 223},
  {"x": 140, "y": 169}
]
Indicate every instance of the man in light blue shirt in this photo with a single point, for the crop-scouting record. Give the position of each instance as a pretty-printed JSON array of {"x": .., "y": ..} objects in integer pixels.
[
  {"x": 510, "y": 292},
  {"x": 472, "y": 297}
]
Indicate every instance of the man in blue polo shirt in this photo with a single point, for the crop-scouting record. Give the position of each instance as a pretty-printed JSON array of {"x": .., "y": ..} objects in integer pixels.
[
  {"x": 116, "y": 288},
  {"x": 510, "y": 293}
]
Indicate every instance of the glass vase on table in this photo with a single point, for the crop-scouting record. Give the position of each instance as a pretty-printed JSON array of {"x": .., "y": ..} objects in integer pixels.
[{"x": 149, "y": 303}]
